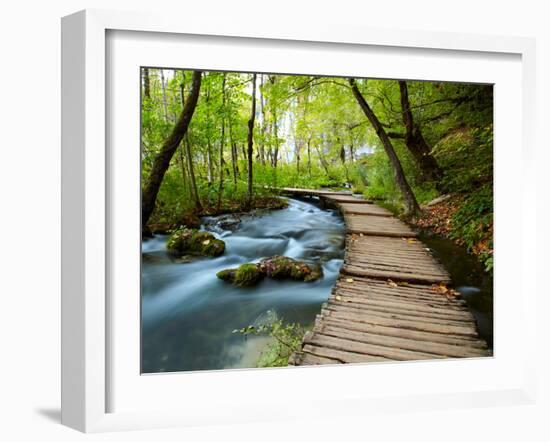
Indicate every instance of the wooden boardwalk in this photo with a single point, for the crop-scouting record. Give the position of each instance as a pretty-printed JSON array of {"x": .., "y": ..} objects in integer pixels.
[{"x": 391, "y": 301}]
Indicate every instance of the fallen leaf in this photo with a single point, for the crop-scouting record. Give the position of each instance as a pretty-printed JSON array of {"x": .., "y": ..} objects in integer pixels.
[
  {"x": 349, "y": 280},
  {"x": 338, "y": 297},
  {"x": 391, "y": 283},
  {"x": 206, "y": 242}
]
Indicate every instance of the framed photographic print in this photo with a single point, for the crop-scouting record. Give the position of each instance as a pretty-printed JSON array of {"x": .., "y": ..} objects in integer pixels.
[{"x": 251, "y": 215}]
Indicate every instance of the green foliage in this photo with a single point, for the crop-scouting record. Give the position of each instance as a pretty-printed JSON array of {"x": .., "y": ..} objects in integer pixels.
[
  {"x": 472, "y": 224},
  {"x": 310, "y": 132},
  {"x": 466, "y": 155},
  {"x": 287, "y": 338}
]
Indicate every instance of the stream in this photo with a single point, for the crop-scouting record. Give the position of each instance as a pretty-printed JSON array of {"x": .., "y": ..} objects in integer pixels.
[
  {"x": 469, "y": 278},
  {"x": 188, "y": 314}
]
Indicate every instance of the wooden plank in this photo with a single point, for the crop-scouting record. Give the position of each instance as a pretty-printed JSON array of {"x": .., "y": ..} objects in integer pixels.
[
  {"x": 342, "y": 356},
  {"x": 392, "y": 258},
  {"x": 312, "y": 359},
  {"x": 407, "y": 302},
  {"x": 396, "y": 266},
  {"x": 358, "y": 271},
  {"x": 424, "y": 347},
  {"x": 378, "y": 226},
  {"x": 312, "y": 192},
  {"x": 350, "y": 199},
  {"x": 417, "y": 318},
  {"x": 460, "y": 340},
  {"x": 363, "y": 209},
  {"x": 398, "y": 354},
  {"x": 367, "y": 303},
  {"x": 449, "y": 329},
  {"x": 416, "y": 292}
]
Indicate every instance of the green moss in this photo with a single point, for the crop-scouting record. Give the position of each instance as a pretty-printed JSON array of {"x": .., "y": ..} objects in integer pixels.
[
  {"x": 316, "y": 272},
  {"x": 275, "y": 267},
  {"x": 227, "y": 275},
  {"x": 188, "y": 241},
  {"x": 298, "y": 271},
  {"x": 282, "y": 267},
  {"x": 248, "y": 275}
]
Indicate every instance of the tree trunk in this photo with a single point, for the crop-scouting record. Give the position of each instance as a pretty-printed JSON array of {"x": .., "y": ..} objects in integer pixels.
[
  {"x": 210, "y": 163},
  {"x": 222, "y": 141},
  {"x": 323, "y": 161},
  {"x": 235, "y": 161},
  {"x": 414, "y": 140},
  {"x": 309, "y": 156},
  {"x": 164, "y": 102},
  {"x": 251, "y": 141},
  {"x": 261, "y": 146},
  {"x": 162, "y": 160},
  {"x": 298, "y": 149},
  {"x": 180, "y": 150},
  {"x": 193, "y": 181},
  {"x": 146, "y": 84},
  {"x": 343, "y": 154},
  {"x": 234, "y": 156},
  {"x": 411, "y": 205},
  {"x": 275, "y": 156}
]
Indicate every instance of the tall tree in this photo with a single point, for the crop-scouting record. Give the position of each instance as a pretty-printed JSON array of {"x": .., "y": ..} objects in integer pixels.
[
  {"x": 188, "y": 154},
  {"x": 414, "y": 140},
  {"x": 180, "y": 150},
  {"x": 164, "y": 101},
  {"x": 234, "y": 153},
  {"x": 264, "y": 122},
  {"x": 250, "y": 141},
  {"x": 411, "y": 205},
  {"x": 146, "y": 84},
  {"x": 210, "y": 163},
  {"x": 162, "y": 160},
  {"x": 222, "y": 142}
]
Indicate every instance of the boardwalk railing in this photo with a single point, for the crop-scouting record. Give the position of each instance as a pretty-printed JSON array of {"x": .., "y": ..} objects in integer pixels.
[{"x": 391, "y": 301}]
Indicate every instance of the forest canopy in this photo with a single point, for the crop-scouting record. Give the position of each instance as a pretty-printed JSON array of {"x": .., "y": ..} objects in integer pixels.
[{"x": 218, "y": 142}]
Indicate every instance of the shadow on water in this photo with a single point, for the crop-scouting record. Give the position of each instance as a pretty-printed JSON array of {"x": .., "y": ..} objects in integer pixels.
[
  {"x": 469, "y": 278},
  {"x": 188, "y": 314}
]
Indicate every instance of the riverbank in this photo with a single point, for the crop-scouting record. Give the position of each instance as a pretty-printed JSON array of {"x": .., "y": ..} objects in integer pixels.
[
  {"x": 164, "y": 222},
  {"x": 466, "y": 219}
]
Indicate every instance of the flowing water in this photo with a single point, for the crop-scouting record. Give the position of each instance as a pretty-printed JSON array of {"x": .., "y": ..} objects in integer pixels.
[{"x": 188, "y": 314}]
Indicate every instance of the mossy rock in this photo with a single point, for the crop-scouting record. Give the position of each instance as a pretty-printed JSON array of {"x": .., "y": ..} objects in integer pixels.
[
  {"x": 193, "y": 242},
  {"x": 283, "y": 267},
  {"x": 275, "y": 267},
  {"x": 227, "y": 275},
  {"x": 248, "y": 275},
  {"x": 316, "y": 272},
  {"x": 245, "y": 275}
]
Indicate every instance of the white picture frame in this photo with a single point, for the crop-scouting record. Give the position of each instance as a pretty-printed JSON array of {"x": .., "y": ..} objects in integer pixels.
[{"x": 87, "y": 353}]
